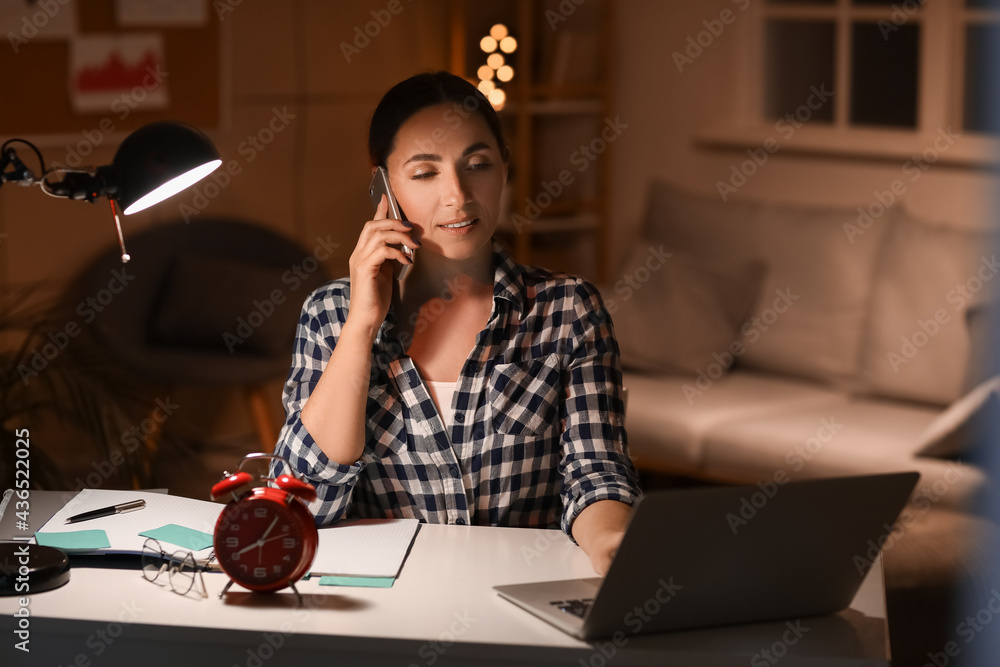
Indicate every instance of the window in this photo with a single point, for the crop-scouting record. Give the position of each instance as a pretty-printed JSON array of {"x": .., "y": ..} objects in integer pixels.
[{"x": 908, "y": 65}]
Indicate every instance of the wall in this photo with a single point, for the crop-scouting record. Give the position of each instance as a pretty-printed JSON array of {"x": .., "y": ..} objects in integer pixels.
[
  {"x": 295, "y": 112},
  {"x": 667, "y": 108},
  {"x": 283, "y": 69}
]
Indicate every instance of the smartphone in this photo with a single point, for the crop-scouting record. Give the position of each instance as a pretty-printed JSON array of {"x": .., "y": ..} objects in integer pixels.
[{"x": 379, "y": 187}]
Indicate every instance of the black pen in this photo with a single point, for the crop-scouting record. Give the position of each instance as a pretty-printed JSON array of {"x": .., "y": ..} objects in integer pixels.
[{"x": 108, "y": 511}]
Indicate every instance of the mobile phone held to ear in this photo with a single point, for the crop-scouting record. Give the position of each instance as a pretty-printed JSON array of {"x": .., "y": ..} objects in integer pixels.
[{"x": 379, "y": 187}]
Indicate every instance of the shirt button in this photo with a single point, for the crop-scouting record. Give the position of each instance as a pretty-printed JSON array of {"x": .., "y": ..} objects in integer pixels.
[
  {"x": 473, "y": 367},
  {"x": 454, "y": 471},
  {"x": 459, "y": 418},
  {"x": 460, "y": 522}
]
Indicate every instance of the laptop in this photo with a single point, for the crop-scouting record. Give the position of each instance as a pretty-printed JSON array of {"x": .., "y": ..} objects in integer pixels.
[{"x": 724, "y": 555}]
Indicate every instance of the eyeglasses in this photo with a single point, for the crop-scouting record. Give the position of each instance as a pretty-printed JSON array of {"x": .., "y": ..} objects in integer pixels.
[{"x": 181, "y": 567}]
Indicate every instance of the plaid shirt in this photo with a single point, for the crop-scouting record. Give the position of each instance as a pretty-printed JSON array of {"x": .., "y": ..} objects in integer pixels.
[{"x": 538, "y": 430}]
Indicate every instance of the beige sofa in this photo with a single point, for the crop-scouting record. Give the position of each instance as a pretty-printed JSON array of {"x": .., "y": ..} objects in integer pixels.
[{"x": 765, "y": 343}]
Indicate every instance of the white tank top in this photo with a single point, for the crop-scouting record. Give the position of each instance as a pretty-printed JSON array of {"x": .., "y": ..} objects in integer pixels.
[{"x": 442, "y": 393}]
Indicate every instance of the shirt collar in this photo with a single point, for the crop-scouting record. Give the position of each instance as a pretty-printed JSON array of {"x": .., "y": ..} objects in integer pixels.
[{"x": 508, "y": 280}]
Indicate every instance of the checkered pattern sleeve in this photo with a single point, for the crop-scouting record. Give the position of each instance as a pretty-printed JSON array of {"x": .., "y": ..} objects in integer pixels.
[
  {"x": 595, "y": 460},
  {"x": 323, "y": 315}
]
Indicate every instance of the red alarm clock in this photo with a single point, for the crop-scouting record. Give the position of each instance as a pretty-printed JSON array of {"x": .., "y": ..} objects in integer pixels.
[{"x": 265, "y": 538}]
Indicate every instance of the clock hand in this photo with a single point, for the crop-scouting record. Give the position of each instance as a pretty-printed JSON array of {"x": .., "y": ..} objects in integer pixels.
[
  {"x": 268, "y": 531},
  {"x": 259, "y": 542}
]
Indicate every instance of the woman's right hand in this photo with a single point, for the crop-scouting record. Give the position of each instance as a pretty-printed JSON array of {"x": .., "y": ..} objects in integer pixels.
[{"x": 371, "y": 267}]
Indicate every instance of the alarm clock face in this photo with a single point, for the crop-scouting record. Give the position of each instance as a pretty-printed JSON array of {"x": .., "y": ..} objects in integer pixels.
[{"x": 264, "y": 543}]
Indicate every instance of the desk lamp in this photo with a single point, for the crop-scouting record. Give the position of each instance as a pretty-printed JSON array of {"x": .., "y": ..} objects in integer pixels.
[{"x": 154, "y": 162}]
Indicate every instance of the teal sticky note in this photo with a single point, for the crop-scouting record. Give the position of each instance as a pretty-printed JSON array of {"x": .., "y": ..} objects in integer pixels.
[
  {"x": 363, "y": 582},
  {"x": 186, "y": 538},
  {"x": 76, "y": 540}
]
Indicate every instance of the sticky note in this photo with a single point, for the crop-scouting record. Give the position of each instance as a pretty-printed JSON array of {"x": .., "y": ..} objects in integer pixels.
[
  {"x": 363, "y": 582},
  {"x": 187, "y": 538},
  {"x": 75, "y": 540}
]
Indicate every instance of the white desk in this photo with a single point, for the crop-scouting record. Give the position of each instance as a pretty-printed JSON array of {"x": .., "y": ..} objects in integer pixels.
[{"x": 440, "y": 611}]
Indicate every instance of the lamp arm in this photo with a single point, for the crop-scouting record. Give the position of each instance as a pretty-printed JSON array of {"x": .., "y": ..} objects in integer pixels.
[{"x": 81, "y": 185}]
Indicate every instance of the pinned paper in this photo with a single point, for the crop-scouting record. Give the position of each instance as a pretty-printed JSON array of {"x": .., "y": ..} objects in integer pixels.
[
  {"x": 361, "y": 582},
  {"x": 76, "y": 540},
  {"x": 188, "y": 538}
]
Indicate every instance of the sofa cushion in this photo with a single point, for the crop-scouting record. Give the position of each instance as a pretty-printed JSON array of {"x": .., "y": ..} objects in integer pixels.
[
  {"x": 851, "y": 438},
  {"x": 917, "y": 343},
  {"x": 675, "y": 312},
  {"x": 668, "y": 415},
  {"x": 810, "y": 316}
]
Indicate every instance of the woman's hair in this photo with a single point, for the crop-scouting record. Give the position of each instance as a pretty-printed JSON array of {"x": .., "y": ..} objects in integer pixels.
[{"x": 419, "y": 92}]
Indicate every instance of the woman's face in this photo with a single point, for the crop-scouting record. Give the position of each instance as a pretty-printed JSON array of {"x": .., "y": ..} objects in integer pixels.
[{"x": 447, "y": 174}]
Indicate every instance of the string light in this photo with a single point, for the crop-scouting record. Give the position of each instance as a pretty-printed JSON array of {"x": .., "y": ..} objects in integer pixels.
[{"x": 496, "y": 68}]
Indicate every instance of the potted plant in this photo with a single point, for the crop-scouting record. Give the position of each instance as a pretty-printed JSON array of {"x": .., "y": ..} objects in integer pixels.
[{"x": 53, "y": 376}]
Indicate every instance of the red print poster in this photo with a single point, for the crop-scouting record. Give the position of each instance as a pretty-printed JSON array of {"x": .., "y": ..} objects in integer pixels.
[{"x": 114, "y": 75}]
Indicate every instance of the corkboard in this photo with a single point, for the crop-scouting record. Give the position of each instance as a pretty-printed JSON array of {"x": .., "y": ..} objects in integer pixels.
[{"x": 36, "y": 97}]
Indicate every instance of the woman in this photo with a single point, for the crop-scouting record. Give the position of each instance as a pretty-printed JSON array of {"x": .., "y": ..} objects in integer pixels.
[{"x": 475, "y": 391}]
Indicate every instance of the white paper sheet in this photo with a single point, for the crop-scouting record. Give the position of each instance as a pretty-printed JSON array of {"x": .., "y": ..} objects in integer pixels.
[
  {"x": 123, "y": 529},
  {"x": 364, "y": 548}
]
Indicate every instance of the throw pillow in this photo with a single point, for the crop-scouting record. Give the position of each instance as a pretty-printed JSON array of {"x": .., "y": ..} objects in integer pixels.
[
  {"x": 917, "y": 345},
  {"x": 679, "y": 313},
  {"x": 814, "y": 300}
]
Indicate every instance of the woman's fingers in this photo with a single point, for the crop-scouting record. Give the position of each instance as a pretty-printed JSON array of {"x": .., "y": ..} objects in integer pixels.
[
  {"x": 382, "y": 209},
  {"x": 386, "y": 232}
]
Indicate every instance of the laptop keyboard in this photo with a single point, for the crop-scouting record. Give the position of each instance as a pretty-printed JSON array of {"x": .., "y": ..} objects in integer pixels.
[{"x": 575, "y": 607}]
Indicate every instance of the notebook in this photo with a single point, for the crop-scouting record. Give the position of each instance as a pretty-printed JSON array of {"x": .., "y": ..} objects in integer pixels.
[{"x": 715, "y": 556}]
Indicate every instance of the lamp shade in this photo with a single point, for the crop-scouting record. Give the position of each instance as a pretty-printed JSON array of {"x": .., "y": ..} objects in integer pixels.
[{"x": 159, "y": 160}]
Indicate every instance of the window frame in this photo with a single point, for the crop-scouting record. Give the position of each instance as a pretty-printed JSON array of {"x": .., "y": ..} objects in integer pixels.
[{"x": 940, "y": 94}]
